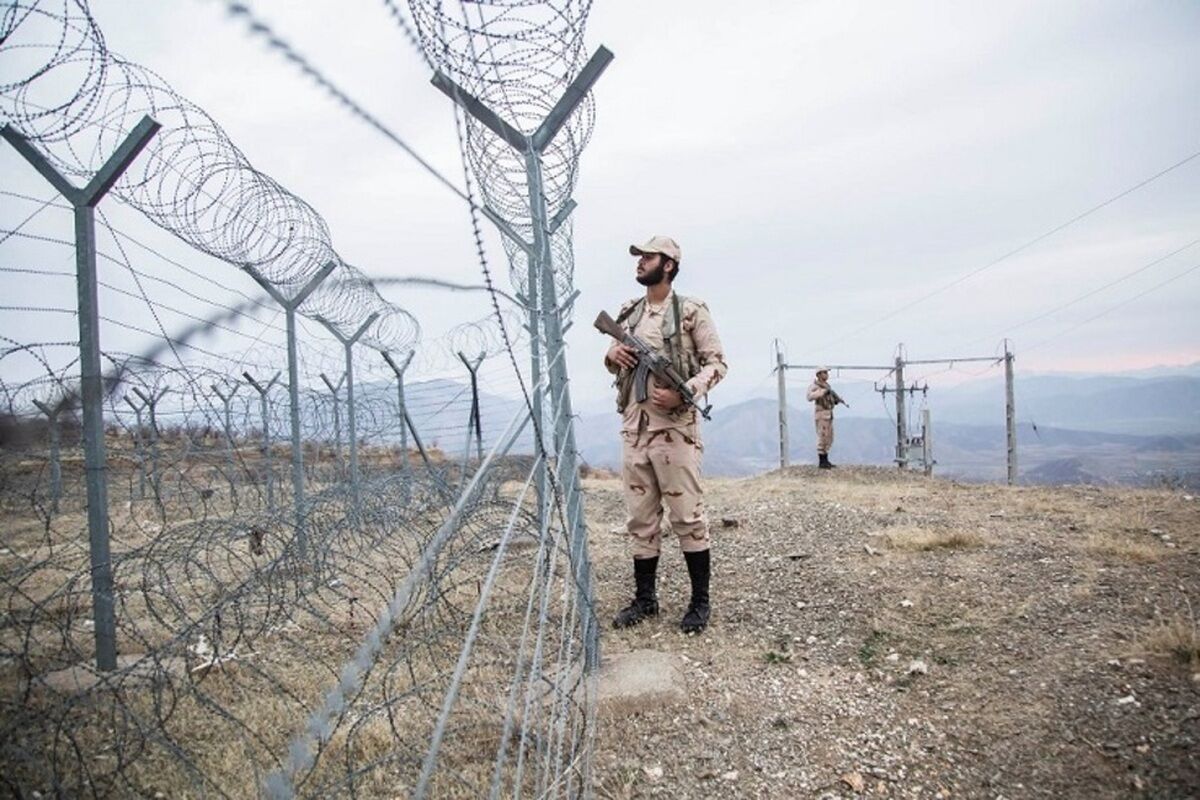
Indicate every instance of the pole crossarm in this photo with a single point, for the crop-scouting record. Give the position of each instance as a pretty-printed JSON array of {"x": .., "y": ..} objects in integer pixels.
[
  {"x": 399, "y": 370},
  {"x": 300, "y": 296},
  {"x": 262, "y": 388},
  {"x": 561, "y": 215},
  {"x": 993, "y": 359},
  {"x": 869, "y": 367},
  {"x": 333, "y": 388}
]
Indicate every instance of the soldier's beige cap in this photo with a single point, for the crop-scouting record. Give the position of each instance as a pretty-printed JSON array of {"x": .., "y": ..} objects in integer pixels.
[
  {"x": 658, "y": 244},
  {"x": 822, "y": 369}
]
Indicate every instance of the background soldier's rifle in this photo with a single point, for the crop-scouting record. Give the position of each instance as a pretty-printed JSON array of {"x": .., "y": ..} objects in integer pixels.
[{"x": 649, "y": 362}]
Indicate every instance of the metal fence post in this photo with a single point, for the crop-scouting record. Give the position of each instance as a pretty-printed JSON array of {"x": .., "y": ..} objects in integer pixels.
[
  {"x": 289, "y": 306},
  {"x": 91, "y": 382},
  {"x": 263, "y": 390},
  {"x": 339, "y": 466},
  {"x": 405, "y": 467},
  {"x": 473, "y": 420},
  {"x": 226, "y": 399},
  {"x": 348, "y": 345},
  {"x": 547, "y": 307},
  {"x": 138, "y": 447},
  {"x": 51, "y": 413},
  {"x": 150, "y": 403}
]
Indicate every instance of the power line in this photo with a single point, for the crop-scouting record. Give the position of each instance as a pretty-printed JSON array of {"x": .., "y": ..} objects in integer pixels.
[
  {"x": 1110, "y": 309},
  {"x": 1041, "y": 237}
]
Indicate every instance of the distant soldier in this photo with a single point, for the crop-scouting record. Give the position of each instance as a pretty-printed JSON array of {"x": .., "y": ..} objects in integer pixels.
[
  {"x": 662, "y": 449},
  {"x": 824, "y": 398}
]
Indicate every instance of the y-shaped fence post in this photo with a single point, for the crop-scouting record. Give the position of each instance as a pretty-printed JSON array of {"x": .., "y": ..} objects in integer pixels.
[
  {"x": 546, "y": 306},
  {"x": 348, "y": 344},
  {"x": 339, "y": 466},
  {"x": 402, "y": 408},
  {"x": 91, "y": 382},
  {"x": 138, "y": 447},
  {"x": 51, "y": 413},
  {"x": 263, "y": 390},
  {"x": 289, "y": 312},
  {"x": 150, "y": 402},
  {"x": 226, "y": 399},
  {"x": 473, "y": 421}
]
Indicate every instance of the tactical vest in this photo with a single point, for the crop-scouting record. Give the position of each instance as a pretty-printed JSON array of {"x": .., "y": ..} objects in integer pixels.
[{"x": 681, "y": 350}]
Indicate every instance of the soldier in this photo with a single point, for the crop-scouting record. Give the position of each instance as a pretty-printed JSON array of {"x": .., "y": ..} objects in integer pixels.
[
  {"x": 824, "y": 398},
  {"x": 662, "y": 448}
]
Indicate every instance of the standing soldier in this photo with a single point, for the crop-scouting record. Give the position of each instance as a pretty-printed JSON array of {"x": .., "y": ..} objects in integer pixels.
[
  {"x": 661, "y": 436},
  {"x": 824, "y": 398}
]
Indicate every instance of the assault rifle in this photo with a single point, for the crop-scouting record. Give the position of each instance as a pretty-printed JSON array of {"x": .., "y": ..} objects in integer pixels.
[
  {"x": 837, "y": 398},
  {"x": 649, "y": 362}
]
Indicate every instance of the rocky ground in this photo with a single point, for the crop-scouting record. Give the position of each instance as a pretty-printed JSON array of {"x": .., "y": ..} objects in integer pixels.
[{"x": 886, "y": 635}]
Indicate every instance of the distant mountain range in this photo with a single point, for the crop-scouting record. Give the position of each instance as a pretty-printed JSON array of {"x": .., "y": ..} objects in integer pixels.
[{"x": 1070, "y": 429}]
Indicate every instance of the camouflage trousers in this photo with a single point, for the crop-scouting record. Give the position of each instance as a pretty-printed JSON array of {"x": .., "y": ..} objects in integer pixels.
[
  {"x": 663, "y": 467},
  {"x": 824, "y": 435}
]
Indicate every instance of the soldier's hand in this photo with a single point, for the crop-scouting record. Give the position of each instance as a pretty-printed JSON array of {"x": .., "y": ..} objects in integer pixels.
[
  {"x": 622, "y": 355},
  {"x": 666, "y": 399}
]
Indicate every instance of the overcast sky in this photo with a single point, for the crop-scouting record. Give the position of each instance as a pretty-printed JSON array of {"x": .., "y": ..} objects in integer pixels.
[{"x": 822, "y": 164}]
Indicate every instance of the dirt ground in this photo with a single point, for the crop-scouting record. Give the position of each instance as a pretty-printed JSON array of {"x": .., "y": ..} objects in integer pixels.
[{"x": 878, "y": 634}]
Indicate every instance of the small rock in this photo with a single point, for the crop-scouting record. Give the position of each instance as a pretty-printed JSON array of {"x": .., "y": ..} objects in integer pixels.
[
  {"x": 797, "y": 556},
  {"x": 1188, "y": 497},
  {"x": 1127, "y": 700},
  {"x": 996, "y": 514},
  {"x": 1114, "y": 662},
  {"x": 653, "y": 773},
  {"x": 1196, "y": 677},
  {"x": 917, "y": 667},
  {"x": 732, "y": 775},
  {"x": 729, "y": 522},
  {"x": 1143, "y": 748},
  {"x": 1138, "y": 783},
  {"x": 854, "y": 780},
  {"x": 811, "y": 640},
  {"x": 893, "y": 657},
  {"x": 871, "y": 551},
  {"x": 906, "y": 603},
  {"x": 1157, "y": 531}
]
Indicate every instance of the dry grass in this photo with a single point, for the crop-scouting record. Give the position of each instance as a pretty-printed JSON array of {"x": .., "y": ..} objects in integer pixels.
[
  {"x": 1177, "y": 639},
  {"x": 1124, "y": 547},
  {"x": 916, "y": 539}
]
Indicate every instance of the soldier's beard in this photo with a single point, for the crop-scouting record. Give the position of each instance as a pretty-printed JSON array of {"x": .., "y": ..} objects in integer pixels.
[{"x": 651, "y": 278}]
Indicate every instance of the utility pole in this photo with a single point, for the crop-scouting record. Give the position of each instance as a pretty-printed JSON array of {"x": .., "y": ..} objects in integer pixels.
[
  {"x": 1010, "y": 414},
  {"x": 91, "y": 381},
  {"x": 780, "y": 372},
  {"x": 901, "y": 419}
]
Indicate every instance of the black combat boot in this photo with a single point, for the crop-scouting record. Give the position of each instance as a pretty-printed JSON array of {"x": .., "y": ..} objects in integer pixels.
[
  {"x": 823, "y": 461},
  {"x": 645, "y": 602},
  {"x": 696, "y": 618}
]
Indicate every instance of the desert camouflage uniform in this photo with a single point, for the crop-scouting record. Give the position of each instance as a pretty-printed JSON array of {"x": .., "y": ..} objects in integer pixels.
[
  {"x": 662, "y": 451},
  {"x": 823, "y": 404}
]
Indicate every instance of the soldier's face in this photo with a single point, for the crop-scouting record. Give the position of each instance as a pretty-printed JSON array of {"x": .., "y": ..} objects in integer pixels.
[{"x": 650, "y": 269}]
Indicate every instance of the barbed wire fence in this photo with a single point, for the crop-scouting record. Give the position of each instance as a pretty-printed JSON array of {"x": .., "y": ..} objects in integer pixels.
[{"x": 272, "y": 540}]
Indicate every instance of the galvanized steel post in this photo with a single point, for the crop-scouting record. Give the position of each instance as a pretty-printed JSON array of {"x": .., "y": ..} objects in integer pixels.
[
  {"x": 138, "y": 447},
  {"x": 289, "y": 306},
  {"x": 226, "y": 399},
  {"x": 51, "y": 413},
  {"x": 348, "y": 345},
  {"x": 402, "y": 408},
  {"x": 546, "y": 307},
  {"x": 91, "y": 381},
  {"x": 263, "y": 390},
  {"x": 339, "y": 465},
  {"x": 474, "y": 423},
  {"x": 150, "y": 402}
]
